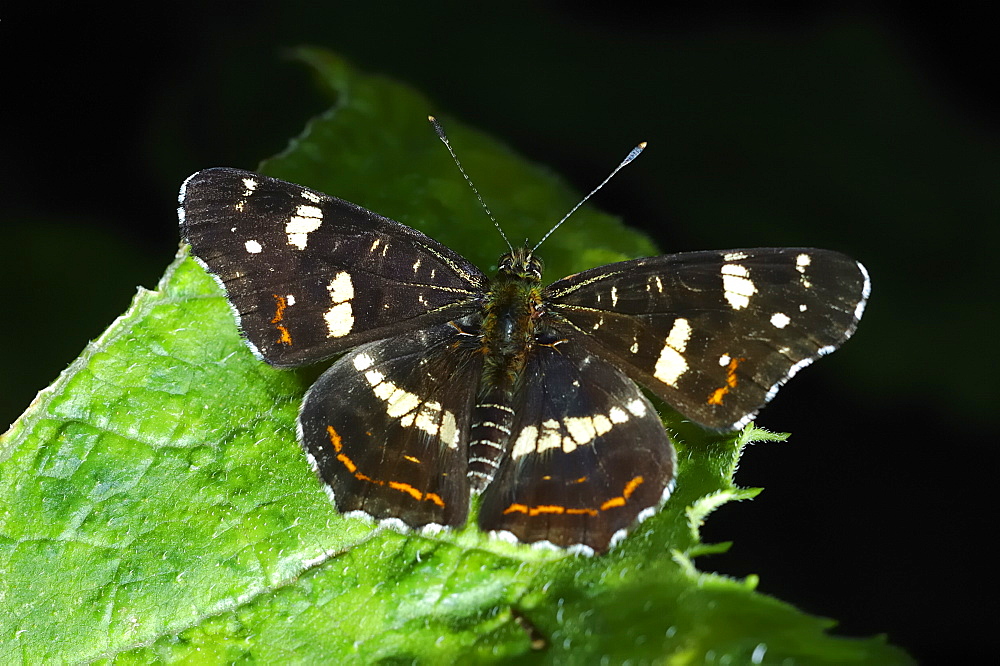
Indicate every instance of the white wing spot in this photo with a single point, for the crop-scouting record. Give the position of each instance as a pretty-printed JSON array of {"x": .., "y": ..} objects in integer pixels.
[
  {"x": 801, "y": 261},
  {"x": 290, "y": 299},
  {"x": 398, "y": 402},
  {"x": 340, "y": 316},
  {"x": 803, "y": 307},
  {"x": 311, "y": 196},
  {"x": 671, "y": 363},
  {"x": 306, "y": 220},
  {"x": 449, "y": 429},
  {"x": 362, "y": 362},
  {"x": 249, "y": 185},
  {"x": 339, "y": 320},
  {"x": 341, "y": 287},
  {"x": 724, "y": 360},
  {"x": 581, "y": 431},
  {"x": 549, "y": 437},
  {"x": 525, "y": 442},
  {"x": 405, "y": 406},
  {"x": 530, "y": 440},
  {"x": 679, "y": 334},
  {"x": 614, "y": 296},
  {"x": 602, "y": 424},
  {"x": 637, "y": 407},
  {"x": 585, "y": 429},
  {"x": 253, "y": 247},
  {"x": 734, "y": 256},
  {"x": 780, "y": 320},
  {"x": 737, "y": 285}
]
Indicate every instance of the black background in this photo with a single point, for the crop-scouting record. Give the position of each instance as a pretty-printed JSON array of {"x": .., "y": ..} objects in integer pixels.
[{"x": 869, "y": 129}]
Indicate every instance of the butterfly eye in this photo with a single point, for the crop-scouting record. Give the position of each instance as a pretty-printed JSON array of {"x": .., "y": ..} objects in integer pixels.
[{"x": 535, "y": 267}]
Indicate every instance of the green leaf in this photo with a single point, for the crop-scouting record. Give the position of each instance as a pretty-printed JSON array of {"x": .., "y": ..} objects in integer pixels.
[{"x": 155, "y": 505}]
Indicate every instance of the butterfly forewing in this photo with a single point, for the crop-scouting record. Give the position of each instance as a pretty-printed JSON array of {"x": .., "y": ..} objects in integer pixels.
[
  {"x": 387, "y": 427},
  {"x": 714, "y": 333},
  {"x": 310, "y": 275},
  {"x": 587, "y": 453}
]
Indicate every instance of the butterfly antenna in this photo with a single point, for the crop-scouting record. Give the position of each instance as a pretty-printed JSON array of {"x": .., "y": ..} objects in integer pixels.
[
  {"x": 447, "y": 144},
  {"x": 631, "y": 156}
]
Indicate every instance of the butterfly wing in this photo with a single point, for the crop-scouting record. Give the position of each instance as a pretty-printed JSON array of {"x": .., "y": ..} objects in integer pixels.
[
  {"x": 588, "y": 454},
  {"x": 714, "y": 334},
  {"x": 309, "y": 275},
  {"x": 386, "y": 427}
]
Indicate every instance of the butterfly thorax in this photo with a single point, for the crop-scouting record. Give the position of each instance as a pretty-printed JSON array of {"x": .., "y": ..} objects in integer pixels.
[{"x": 511, "y": 314}]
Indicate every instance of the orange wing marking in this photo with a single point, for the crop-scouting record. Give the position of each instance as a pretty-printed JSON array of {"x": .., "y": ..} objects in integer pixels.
[
  {"x": 415, "y": 493},
  {"x": 612, "y": 503},
  {"x": 548, "y": 508},
  {"x": 715, "y": 398},
  {"x": 285, "y": 338}
]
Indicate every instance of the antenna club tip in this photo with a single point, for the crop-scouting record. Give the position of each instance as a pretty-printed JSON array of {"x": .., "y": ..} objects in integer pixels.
[
  {"x": 438, "y": 129},
  {"x": 642, "y": 145}
]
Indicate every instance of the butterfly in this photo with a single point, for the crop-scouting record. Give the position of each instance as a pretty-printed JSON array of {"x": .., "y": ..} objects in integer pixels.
[{"x": 452, "y": 383}]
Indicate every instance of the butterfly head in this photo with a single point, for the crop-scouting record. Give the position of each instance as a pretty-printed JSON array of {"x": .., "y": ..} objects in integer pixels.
[{"x": 521, "y": 262}]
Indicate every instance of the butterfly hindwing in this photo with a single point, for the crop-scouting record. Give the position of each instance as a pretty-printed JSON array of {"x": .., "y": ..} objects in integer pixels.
[
  {"x": 588, "y": 454},
  {"x": 309, "y": 275},
  {"x": 714, "y": 334},
  {"x": 386, "y": 427}
]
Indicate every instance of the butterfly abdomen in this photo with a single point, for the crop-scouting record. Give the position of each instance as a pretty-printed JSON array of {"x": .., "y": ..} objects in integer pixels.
[{"x": 489, "y": 434}]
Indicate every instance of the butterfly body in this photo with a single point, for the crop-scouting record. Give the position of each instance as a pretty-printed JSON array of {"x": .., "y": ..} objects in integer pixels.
[
  {"x": 511, "y": 315},
  {"x": 453, "y": 383},
  {"x": 505, "y": 337}
]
